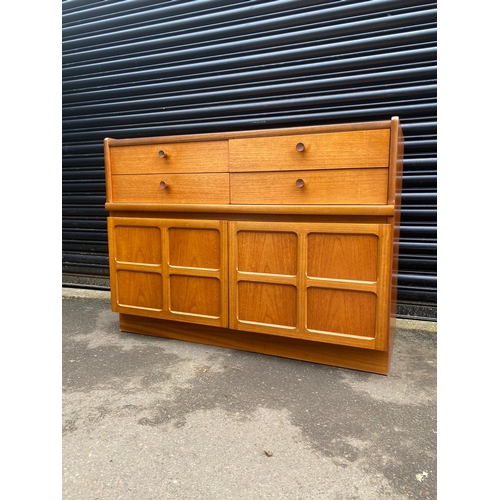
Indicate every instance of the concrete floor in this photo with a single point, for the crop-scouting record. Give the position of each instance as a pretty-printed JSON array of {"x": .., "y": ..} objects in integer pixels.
[{"x": 146, "y": 418}]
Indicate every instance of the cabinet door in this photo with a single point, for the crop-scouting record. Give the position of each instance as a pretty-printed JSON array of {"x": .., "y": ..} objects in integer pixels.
[
  {"x": 168, "y": 268},
  {"x": 328, "y": 282}
]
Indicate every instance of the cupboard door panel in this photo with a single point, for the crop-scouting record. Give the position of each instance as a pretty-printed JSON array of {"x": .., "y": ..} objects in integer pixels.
[
  {"x": 341, "y": 311},
  {"x": 139, "y": 290},
  {"x": 169, "y": 268},
  {"x": 195, "y": 296},
  {"x": 194, "y": 247},
  {"x": 342, "y": 256},
  {"x": 196, "y": 265},
  {"x": 267, "y": 304},
  {"x": 326, "y": 282},
  {"x": 138, "y": 244},
  {"x": 267, "y": 252}
]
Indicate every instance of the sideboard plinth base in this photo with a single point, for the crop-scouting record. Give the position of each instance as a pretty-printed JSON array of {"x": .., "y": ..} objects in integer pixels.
[{"x": 328, "y": 354}]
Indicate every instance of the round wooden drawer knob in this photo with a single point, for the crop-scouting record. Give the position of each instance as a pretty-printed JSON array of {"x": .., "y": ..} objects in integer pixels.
[
  {"x": 300, "y": 183},
  {"x": 162, "y": 154},
  {"x": 163, "y": 185},
  {"x": 300, "y": 147}
]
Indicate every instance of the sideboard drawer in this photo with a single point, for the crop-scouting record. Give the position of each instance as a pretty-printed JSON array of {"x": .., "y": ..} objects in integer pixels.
[
  {"x": 334, "y": 150},
  {"x": 344, "y": 186},
  {"x": 182, "y": 157},
  {"x": 171, "y": 188}
]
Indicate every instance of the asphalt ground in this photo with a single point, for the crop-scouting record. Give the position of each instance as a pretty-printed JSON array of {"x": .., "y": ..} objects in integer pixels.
[{"x": 146, "y": 418}]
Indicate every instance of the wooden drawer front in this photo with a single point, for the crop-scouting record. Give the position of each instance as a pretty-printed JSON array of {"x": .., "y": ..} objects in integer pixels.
[
  {"x": 180, "y": 188},
  {"x": 182, "y": 157},
  {"x": 350, "y": 186},
  {"x": 358, "y": 149}
]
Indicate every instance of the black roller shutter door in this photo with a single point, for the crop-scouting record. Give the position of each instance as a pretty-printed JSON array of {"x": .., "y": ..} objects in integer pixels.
[{"x": 145, "y": 68}]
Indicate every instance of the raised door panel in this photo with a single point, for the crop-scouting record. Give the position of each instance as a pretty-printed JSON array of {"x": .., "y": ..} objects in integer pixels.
[
  {"x": 263, "y": 278},
  {"x": 347, "y": 269},
  {"x": 324, "y": 282},
  {"x": 135, "y": 259},
  {"x": 267, "y": 305},
  {"x": 196, "y": 265},
  {"x": 168, "y": 268}
]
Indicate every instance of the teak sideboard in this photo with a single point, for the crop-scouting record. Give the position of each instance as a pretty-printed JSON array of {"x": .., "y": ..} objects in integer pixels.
[{"x": 281, "y": 242}]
